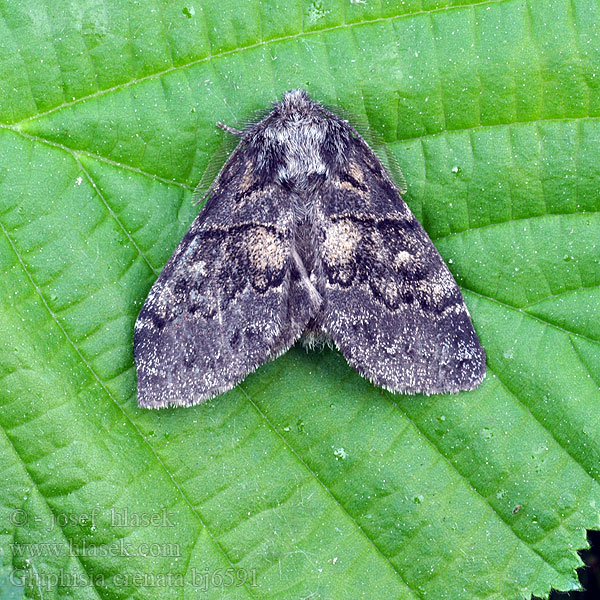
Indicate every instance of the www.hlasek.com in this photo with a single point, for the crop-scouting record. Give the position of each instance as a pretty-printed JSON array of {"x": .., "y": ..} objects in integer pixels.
[{"x": 83, "y": 548}]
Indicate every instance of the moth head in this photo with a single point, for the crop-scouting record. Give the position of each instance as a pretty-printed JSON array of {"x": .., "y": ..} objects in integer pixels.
[{"x": 296, "y": 101}]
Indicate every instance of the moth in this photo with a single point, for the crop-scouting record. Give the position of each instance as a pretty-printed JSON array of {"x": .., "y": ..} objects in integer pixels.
[{"x": 303, "y": 233}]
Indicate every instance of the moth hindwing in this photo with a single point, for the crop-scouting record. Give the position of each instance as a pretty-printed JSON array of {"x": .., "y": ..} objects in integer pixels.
[{"x": 303, "y": 234}]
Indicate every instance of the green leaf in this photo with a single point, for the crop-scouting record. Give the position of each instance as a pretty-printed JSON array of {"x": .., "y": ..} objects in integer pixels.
[
  {"x": 11, "y": 587},
  {"x": 304, "y": 481}
]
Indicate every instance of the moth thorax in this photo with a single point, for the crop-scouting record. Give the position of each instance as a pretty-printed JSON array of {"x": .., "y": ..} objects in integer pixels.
[{"x": 302, "y": 143}]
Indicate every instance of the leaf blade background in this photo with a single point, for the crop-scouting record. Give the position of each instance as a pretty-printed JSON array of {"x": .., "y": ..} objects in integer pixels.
[{"x": 305, "y": 474}]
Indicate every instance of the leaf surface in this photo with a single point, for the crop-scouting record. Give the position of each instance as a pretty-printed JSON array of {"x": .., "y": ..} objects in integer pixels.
[{"x": 304, "y": 481}]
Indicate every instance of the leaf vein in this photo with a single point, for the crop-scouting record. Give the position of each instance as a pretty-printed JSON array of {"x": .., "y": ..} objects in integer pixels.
[
  {"x": 329, "y": 492},
  {"x": 258, "y": 44},
  {"x": 524, "y": 313},
  {"x": 113, "y": 399},
  {"x": 474, "y": 489}
]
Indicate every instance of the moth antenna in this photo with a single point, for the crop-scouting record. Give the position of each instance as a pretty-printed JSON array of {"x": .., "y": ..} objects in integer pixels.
[{"x": 231, "y": 130}]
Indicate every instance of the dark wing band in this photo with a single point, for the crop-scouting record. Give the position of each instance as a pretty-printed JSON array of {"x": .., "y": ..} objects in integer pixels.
[
  {"x": 221, "y": 306},
  {"x": 391, "y": 305}
]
